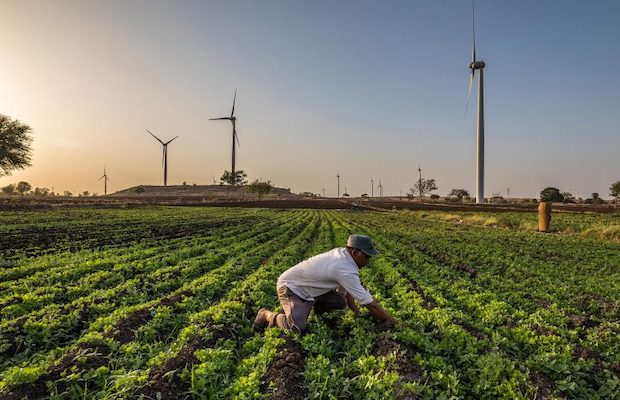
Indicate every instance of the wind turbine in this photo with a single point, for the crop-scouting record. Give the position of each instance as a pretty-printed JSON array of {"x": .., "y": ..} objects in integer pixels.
[
  {"x": 232, "y": 119},
  {"x": 105, "y": 181},
  {"x": 380, "y": 189},
  {"x": 164, "y": 160},
  {"x": 338, "y": 176},
  {"x": 478, "y": 65}
]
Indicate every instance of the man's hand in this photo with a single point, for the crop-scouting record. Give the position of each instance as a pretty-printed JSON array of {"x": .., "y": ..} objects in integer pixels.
[{"x": 379, "y": 312}]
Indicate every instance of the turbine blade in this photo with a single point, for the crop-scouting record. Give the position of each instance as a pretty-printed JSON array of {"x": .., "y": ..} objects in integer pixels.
[
  {"x": 216, "y": 119},
  {"x": 473, "y": 30},
  {"x": 171, "y": 139},
  {"x": 163, "y": 156},
  {"x": 100, "y": 178},
  {"x": 158, "y": 139},
  {"x": 232, "y": 113},
  {"x": 471, "y": 83},
  {"x": 236, "y": 137}
]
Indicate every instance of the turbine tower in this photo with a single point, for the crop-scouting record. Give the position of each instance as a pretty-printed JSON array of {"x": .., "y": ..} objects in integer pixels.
[
  {"x": 233, "y": 120},
  {"x": 380, "y": 189},
  {"x": 164, "y": 159},
  {"x": 105, "y": 181},
  {"x": 338, "y": 176},
  {"x": 478, "y": 65}
]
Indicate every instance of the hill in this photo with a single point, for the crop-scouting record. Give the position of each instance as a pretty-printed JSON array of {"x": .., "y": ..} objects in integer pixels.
[{"x": 207, "y": 192}]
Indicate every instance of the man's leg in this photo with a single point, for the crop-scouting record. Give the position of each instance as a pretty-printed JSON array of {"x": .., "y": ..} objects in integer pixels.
[
  {"x": 296, "y": 312},
  {"x": 330, "y": 301}
]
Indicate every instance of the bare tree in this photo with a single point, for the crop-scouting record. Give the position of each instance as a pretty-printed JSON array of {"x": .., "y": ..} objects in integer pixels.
[
  {"x": 614, "y": 191},
  {"x": 423, "y": 187}
]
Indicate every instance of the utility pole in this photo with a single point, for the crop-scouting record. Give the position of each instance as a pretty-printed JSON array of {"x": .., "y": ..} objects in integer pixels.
[
  {"x": 372, "y": 188},
  {"x": 338, "y": 176}
]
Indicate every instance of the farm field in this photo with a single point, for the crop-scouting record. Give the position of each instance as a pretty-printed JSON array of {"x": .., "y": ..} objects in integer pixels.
[{"x": 157, "y": 303}]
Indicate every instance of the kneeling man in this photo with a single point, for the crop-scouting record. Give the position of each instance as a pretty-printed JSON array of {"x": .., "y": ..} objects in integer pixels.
[{"x": 325, "y": 282}]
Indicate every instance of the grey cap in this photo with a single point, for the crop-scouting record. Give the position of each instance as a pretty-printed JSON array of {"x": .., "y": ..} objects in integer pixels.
[{"x": 363, "y": 243}]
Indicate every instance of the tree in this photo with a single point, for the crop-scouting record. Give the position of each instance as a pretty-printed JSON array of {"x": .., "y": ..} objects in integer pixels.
[
  {"x": 568, "y": 197},
  {"x": 41, "y": 191},
  {"x": 459, "y": 194},
  {"x": 551, "y": 194},
  {"x": 67, "y": 193},
  {"x": 423, "y": 187},
  {"x": 23, "y": 187},
  {"x": 15, "y": 143},
  {"x": 237, "y": 180},
  {"x": 260, "y": 188},
  {"x": 9, "y": 189},
  {"x": 614, "y": 190}
]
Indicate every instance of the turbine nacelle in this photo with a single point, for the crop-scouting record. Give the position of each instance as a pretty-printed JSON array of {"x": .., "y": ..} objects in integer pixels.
[{"x": 476, "y": 65}]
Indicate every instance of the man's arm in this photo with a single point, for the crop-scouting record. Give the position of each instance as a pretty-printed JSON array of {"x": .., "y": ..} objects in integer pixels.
[
  {"x": 351, "y": 304},
  {"x": 379, "y": 312}
]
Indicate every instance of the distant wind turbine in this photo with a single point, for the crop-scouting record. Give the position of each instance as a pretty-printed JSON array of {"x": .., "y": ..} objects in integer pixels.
[
  {"x": 380, "y": 189},
  {"x": 164, "y": 160},
  {"x": 338, "y": 176},
  {"x": 478, "y": 65},
  {"x": 105, "y": 181},
  {"x": 235, "y": 138}
]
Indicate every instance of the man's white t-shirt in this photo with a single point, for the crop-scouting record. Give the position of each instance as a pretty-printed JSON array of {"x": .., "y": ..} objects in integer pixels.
[{"x": 324, "y": 272}]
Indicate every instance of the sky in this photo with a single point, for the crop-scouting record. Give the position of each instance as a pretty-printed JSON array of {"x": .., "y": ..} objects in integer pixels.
[{"x": 363, "y": 89}]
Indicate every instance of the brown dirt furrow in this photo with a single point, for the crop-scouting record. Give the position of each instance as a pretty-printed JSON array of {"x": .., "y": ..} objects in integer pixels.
[
  {"x": 407, "y": 370},
  {"x": 125, "y": 328},
  {"x": 164, "y": 382},
  {"x": 85, "y": 356},
  {"x": 427, "y": 301},
  {"x": 285, "y": 373}
]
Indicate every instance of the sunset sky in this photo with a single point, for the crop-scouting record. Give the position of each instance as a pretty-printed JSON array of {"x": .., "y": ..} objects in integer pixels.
[{"x": 366, "y": 89}]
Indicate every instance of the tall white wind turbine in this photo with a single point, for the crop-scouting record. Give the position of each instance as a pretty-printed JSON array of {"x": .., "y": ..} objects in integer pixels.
[
  {"x": 478, "y": 65},
  {"x": 235, "y": 138}
]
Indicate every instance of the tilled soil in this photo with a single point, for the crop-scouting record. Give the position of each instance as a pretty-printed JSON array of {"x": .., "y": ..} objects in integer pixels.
[
  {"x": 85, "y": 355},
  {"x": 285, "y": 373},
  {"x": 407, "y": 370}
]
